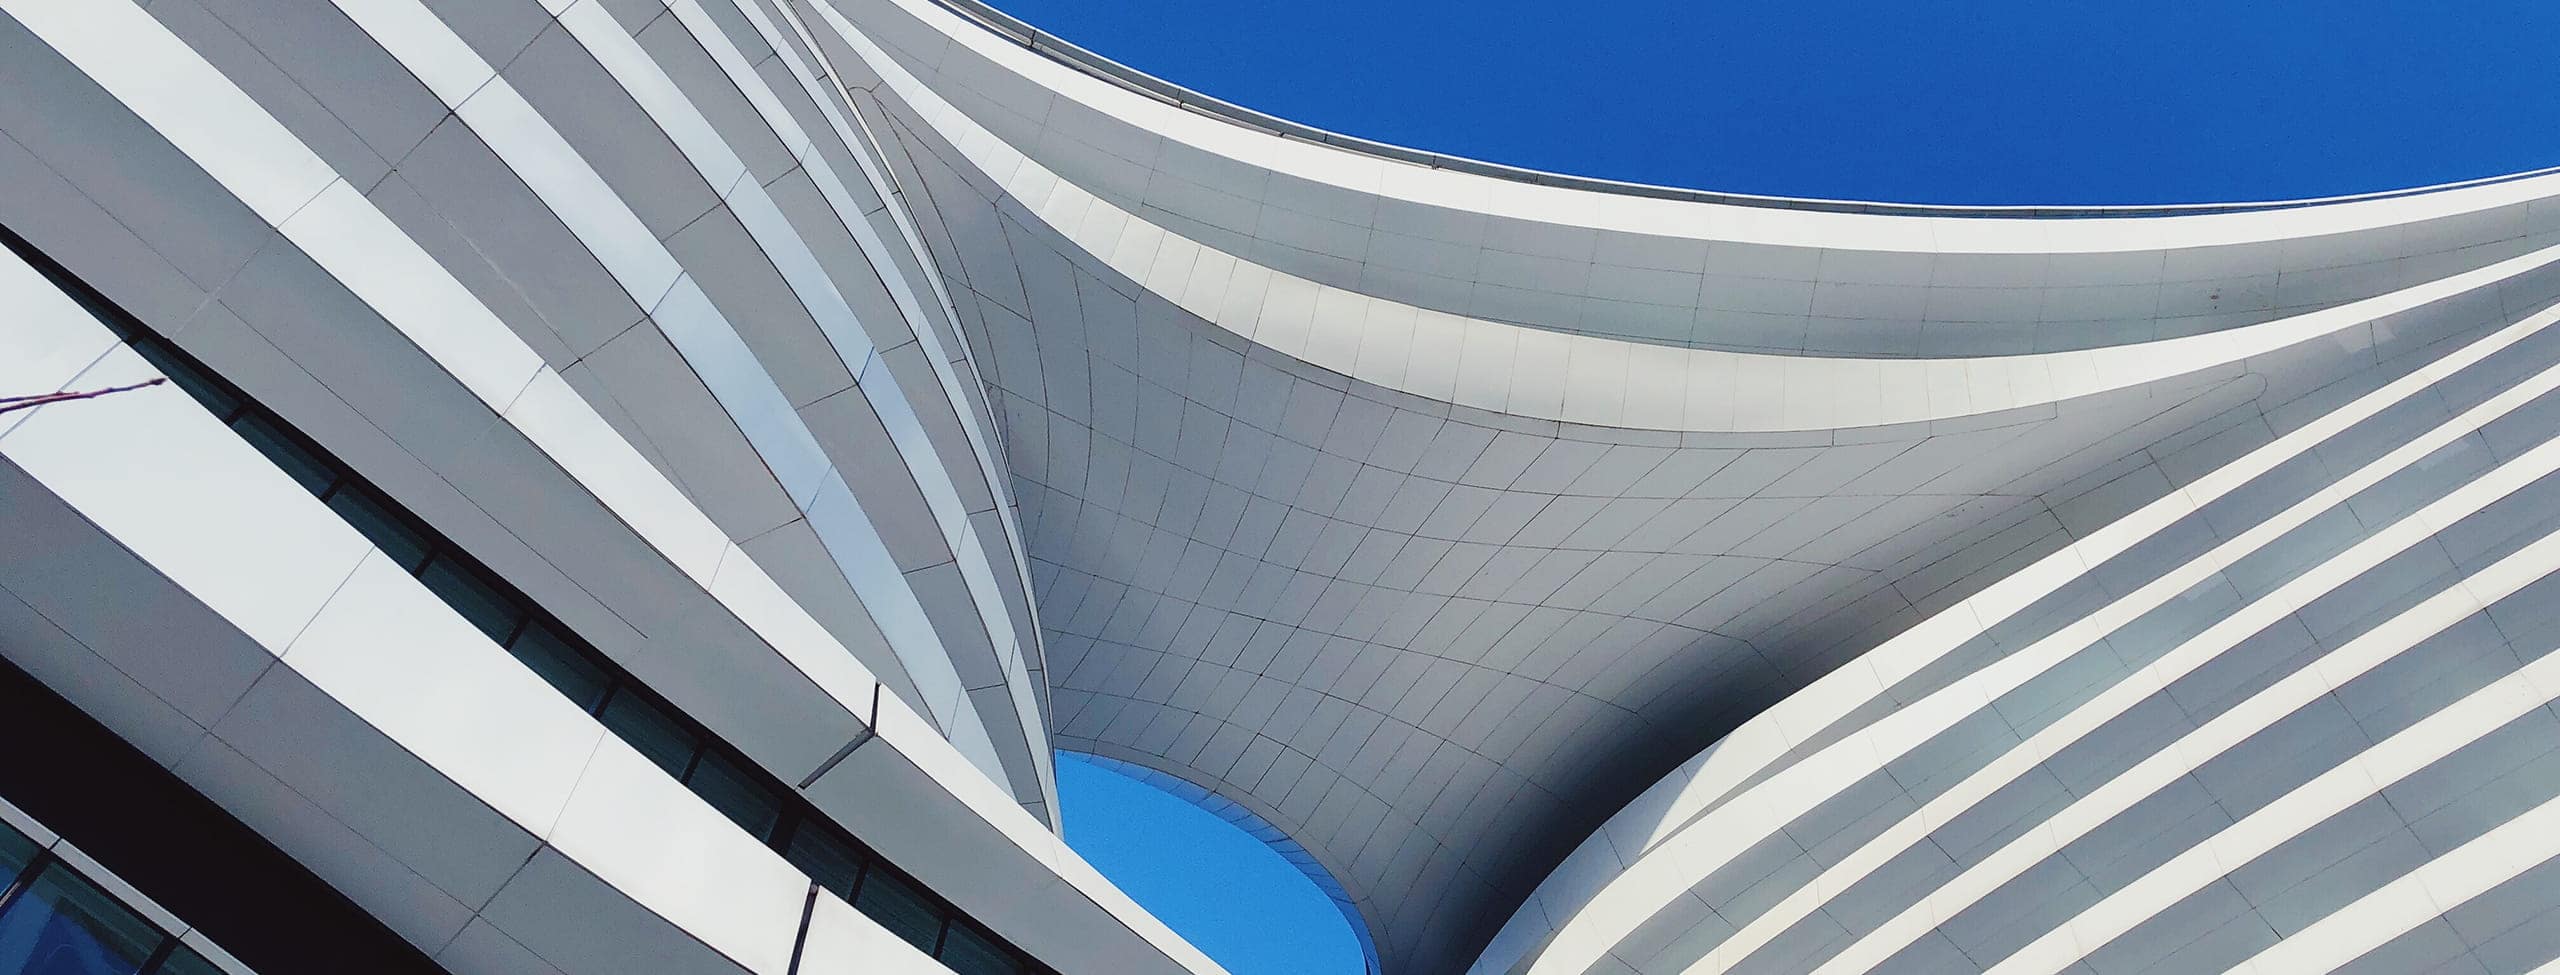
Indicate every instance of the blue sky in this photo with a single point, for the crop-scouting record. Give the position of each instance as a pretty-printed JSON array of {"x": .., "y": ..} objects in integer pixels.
[
  {"x": 1979, "y": 101},
  {"x": 1224, "y": 890},
  {"x": 1923, "y": 101}
]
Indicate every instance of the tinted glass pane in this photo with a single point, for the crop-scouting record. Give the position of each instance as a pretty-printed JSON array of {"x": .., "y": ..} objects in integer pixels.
[
  {"x": 388, "y": 532},
  {"x": 461, "y": 588},
  {"x": 900, "y": 908},
  {"x": 736, "y": 793},
  {"x": 651, "y": 730},
  {"x": 186, "y": 377},
  {"x": 185, "y": 961},
  {"x": 15, "y": 852},
  {"x": 314, "y": 474},
  {"x": 64, "y": 926},
  {"x": 548, "y": 655},
  {"x": 829, "y": 861},
  {"x": 966, "y": 952}
]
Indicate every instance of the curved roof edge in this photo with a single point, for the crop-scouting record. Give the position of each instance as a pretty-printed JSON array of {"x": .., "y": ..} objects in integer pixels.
[
  {"x": 1597, "y": 380},
  {"x": 1085, "y": 61},
  {"x": 1253, "y": 825}
]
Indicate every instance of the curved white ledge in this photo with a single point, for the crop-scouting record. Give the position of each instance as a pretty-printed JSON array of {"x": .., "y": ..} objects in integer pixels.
[
  {"x": 1413, "y": 504},
  {"x": 1541, "y": 374},
  {"x": 1697, "y": 821},
  {"x": 1598, "y": 205},
  {"x": 1112, "y": 72}
]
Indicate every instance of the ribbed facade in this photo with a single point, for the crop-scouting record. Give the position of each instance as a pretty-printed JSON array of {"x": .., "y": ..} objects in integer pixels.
[
  {"x": 645, "y": 485},
  {"x": 2294, "y": 716},
  {"x": 575, "y": 530}
]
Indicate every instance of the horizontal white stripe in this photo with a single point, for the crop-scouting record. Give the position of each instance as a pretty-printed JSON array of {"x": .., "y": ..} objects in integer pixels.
[
  {"x": 104, "y": 38},
  {"x": 1732, "y": 828},
  {"x": 1998, "y": 774},
  {"x": 162, "y": 477},
  {"x": 2377, "y": 768},
  {"x": 256, "y": 164},
  {"x": 655, "y": 281},
  {"x": 2093, "y": 810},
  {"x": 2442, "y": 884},
  {"x": 1749, "y": 749},
  {"x": 1579, "y": 378},
  {"x": 663, "y": 99},
  {"x": 865, "y": 235},
  {"x": 113, "y": 41}
]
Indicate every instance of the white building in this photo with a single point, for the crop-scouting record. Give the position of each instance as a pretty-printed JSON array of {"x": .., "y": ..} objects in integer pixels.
[{"x": 646, "y": 485}]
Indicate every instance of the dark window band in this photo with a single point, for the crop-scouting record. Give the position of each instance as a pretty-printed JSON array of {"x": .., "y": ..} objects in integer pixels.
[
  {"x": 178, "y": 847},
  {"x": 53, "y": 919},
  {"x": 718, "y": 773}
]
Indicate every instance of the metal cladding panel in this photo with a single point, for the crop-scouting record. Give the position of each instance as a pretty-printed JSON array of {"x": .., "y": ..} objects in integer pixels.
[
  {"x": 1429, "y": 514},
  {"x": 1572, "y": 577}
]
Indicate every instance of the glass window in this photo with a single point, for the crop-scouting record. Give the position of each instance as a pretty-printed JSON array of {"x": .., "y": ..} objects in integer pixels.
[
  {"x": 64, "y": 925},
  {"x": 736, "y": 793},
  {"x": 463, "y": 589},
  {"x": 902, "y": 909},
  {"x": 315, "y": 475},
  {"x": 549, "y": 655},
  {"x": 16, "y": 851},
  {"x": 375, "y": 521},
  {"x": 650, "y": 729},
  {"x": 831, "y": 862},
  {"x": 185, "y": 961},
  {"x": 967, "y": 952}
]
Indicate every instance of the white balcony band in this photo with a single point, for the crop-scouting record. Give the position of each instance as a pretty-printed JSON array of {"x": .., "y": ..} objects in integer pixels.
[{"x": 894, "y": 392}]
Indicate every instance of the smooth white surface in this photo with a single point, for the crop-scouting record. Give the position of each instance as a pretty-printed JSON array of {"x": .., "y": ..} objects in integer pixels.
[
  {"x": 642, "y": 832},
  {"x": 724, "y": 362},
  {"x": 2377, "y": 768},
  {"x": 2441, "y": 885},
  {"x": 1681, "y": 797},
  {"x": 391, "y": 651},
  {"x": 385, "y": 648},
  {"x": 2262, "y": 709},
  {"x": 348, "y": 236},
  {"x": 2259, "y": 711},
  {"x": 234, "y": 536},
  {"x": 1525, "y": 371},
  {"x": 1545, "y": 374},
  {"x": 1670, "y": 867},
  {"x": 43, "y": 361},
  {"x": 210, "y": 116},
  {"x": 360, "y": 247},
  {"x": 841, "y": 939}
]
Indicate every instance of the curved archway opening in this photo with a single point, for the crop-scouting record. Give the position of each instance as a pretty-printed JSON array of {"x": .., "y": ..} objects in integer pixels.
[{"x": 1221, "y": 876}]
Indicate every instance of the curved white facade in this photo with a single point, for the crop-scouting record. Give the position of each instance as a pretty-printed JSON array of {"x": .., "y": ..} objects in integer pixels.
[
  {"x": 892, "y": 396},
  {"x": 625, "y": 332}
]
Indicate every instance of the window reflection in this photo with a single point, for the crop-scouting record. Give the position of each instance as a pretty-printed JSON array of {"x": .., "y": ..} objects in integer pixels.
[
  {"x": 185, "y": 961},
  {"x": 53, "y": 921},
  {"x": 16, "y": 852},
  {"x": 405, "y": 546},
  {"x": 473, "y": 597},
  {"x": 733, "y": 791},
  {"x": 651, "y": 730},
  {"x": 61, "y": 924},
  {"x": 967, "y": 952},
  {"x": 831, "y": 862},
  {"x": 901, "y": 909}
]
